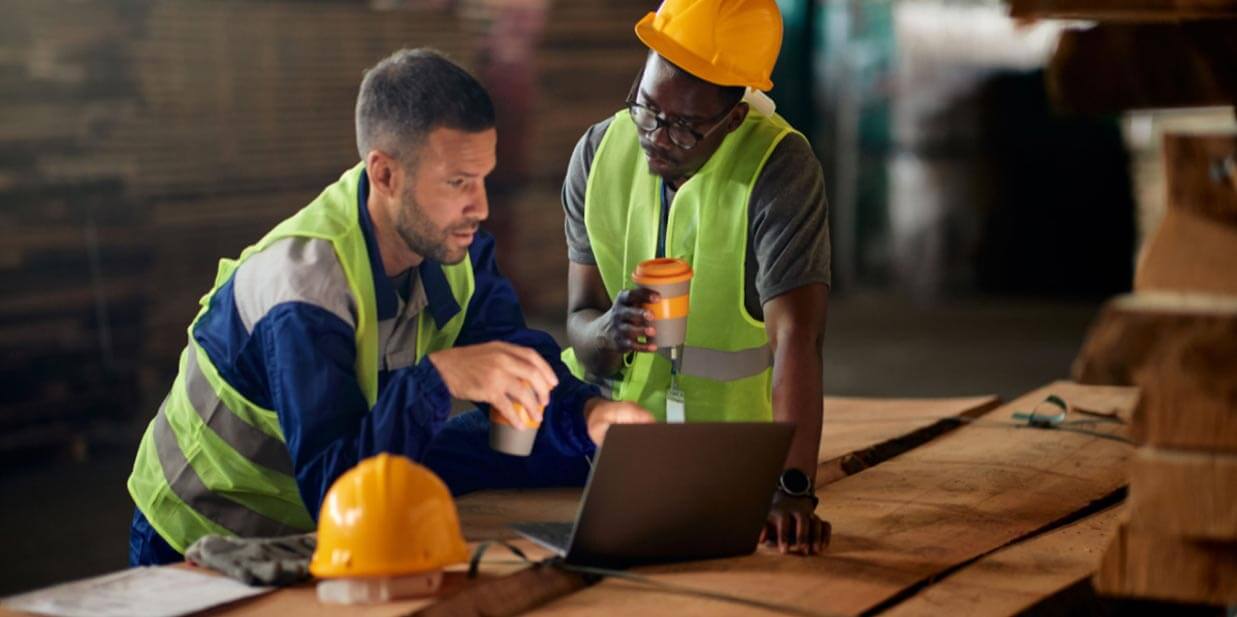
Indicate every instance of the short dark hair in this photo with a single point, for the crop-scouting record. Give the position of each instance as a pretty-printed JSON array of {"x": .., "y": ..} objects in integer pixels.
[{"x": 412, "y": 92}]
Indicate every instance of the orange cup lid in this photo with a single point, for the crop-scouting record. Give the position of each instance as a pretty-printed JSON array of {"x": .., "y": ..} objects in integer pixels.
[{"x": 662, "y": 271}]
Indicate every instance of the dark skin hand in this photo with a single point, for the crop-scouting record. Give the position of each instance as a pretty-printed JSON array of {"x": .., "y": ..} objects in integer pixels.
[{"x": 602, "y": 332}]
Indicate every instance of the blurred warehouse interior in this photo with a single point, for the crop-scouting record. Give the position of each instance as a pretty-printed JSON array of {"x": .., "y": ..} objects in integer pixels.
[{"x": 975, "y": 227}]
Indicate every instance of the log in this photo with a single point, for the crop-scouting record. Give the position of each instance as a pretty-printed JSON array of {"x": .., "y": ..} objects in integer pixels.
[
  {"x": 902, "y": 522},
  {"x": 1182, "y": 349},
  {"x": 1028, "y": 574},
  {"x": 1115, "y": 67},
  {"x": 1195, "y": 245},
  {"x": 1123, "y": 10},
  {"x": 1186, "y": 494},
  {"x": 857, "y": 434},
  {"x": 1168, "y": 568}
]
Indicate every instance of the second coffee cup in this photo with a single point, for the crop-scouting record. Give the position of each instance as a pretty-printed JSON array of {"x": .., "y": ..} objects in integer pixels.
[
  {"x": 672, "y": 279},
  {"x": 513, "y": 440}
]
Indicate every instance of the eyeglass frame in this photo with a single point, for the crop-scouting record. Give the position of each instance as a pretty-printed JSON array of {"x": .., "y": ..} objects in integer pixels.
[{"x": 683, "y": 124}]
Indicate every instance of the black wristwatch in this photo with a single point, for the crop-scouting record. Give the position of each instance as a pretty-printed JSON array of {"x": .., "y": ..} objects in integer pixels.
[{"x": 795, "y": 483}]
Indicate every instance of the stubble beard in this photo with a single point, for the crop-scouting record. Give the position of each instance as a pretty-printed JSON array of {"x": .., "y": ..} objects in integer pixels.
[{"x": 422, "y": 237}]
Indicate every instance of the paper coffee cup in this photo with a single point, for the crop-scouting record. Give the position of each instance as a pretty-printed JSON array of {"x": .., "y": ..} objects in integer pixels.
[
  {"x": 672, "y": 279},
  {"x": 510, "y": 439}
]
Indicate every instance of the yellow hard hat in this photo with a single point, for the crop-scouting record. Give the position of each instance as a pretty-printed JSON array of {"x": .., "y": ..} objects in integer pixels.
[
  {"x": 387, "y": 516},
  {"x": 725, "y": 42}
]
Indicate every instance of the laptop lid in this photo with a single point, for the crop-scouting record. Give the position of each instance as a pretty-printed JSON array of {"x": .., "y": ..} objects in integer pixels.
[{"x": 678, "y": 492}]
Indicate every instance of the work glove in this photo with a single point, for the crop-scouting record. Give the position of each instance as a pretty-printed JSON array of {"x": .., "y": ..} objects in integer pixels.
[{"x": 256, "y": 561}]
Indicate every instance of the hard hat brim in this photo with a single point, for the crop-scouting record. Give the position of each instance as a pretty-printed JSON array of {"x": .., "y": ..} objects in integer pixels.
[{"x": 683, "y": 58}]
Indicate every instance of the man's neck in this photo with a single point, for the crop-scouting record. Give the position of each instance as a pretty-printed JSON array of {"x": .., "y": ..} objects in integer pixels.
[{"x": 396, "y": 258}]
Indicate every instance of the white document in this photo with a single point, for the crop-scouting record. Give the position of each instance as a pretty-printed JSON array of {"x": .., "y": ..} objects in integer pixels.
[{"x": 137, "y": 592}]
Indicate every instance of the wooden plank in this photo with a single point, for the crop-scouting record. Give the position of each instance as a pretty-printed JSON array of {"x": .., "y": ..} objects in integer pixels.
[
  {"x": 1181, "y": 349},
  {"x": 1123, "y": 10},
  {"x": 1168, "y": 568},
  {"x": 858, "y": 433},
  {"x": 899, "y": 523},
  {"x": 1188, "y": 494},
  {"x": 1013, "y": 579}
]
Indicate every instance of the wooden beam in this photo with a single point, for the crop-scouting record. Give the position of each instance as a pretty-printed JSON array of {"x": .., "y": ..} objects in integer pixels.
[
  {"x": 1187, "y": 494},
  {"x": 1168, "y": 568},
  {"x": 1018, "y": 577},
  {"x": 895, "y": 525},
  {"x": 1123, "y": 10},
  {"x": 1115, "y": 67},
  {"x": 1181, "y": 349}
]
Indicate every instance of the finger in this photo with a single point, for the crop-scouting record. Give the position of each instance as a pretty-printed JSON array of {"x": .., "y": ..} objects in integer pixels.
[
  {"x": 764, "y": 534},
  {"x": 527, "y": 399},
  {"x": 634, "y": 315},
  {"x": 540, "y": 365},
  {"x": 637, "y": 296},
  {"x": 630, "y": 336},
  {"x": 503, "y": 406},
  {"x": 779, "y": 525},
  {"x": 533, "y": 373},
  {"x": 801, "y": 533},
  {"x": 826, "y": 534},
  {"x": 818, "y": 535}
]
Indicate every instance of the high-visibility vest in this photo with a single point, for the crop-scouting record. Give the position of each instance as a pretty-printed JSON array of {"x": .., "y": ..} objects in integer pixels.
[
  {"x": 213, "y": 462},
  {"x": 727, "y": 361}
]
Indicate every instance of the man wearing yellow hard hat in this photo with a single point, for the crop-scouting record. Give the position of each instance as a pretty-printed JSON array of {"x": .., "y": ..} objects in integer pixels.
[
  {"x": 698, "y": 167},
  {"x": 347, "y": 329}
]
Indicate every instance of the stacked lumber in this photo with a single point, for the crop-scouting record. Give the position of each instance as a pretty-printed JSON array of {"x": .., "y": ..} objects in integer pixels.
[
  {"x": 70, "y": 266},
  {"x": 1176, "y": 337},
  {"x": 585, "y": 63},
  {"x": 143, "y": 141},
  {"x": 1142, "y": 54}
]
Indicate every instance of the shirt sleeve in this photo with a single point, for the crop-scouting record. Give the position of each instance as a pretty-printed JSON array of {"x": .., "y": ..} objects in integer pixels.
[
  {"x": 494, "y": 314},
  {"x": 575, "y": 185},
  {"x": 309, "y": 357},
  {"x": 790, "y": 221}
]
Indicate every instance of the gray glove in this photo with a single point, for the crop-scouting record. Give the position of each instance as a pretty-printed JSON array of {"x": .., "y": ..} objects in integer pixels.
[{"x": 256, "y": 561}]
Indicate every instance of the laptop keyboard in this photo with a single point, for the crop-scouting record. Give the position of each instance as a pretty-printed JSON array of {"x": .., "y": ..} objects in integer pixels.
[{"x": 552, "y": 534}]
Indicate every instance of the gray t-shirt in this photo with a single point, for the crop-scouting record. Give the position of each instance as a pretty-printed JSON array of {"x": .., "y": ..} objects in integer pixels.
[{"x": 788, "y": 226}]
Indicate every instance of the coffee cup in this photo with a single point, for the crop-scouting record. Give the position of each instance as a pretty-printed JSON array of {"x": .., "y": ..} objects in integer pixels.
[
  {"x": 671, "y": 279},
  {"x": 510, "y": 439}
]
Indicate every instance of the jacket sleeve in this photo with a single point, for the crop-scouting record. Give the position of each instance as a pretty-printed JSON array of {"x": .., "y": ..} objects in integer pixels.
[
  {"x": 309, "y": 356},
  {"x": 494, "y": 314}
]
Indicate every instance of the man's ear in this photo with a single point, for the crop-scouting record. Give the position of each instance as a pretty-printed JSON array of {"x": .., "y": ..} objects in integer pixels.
[
  {"x": 738, "y": 116},
  {"x": 383, "y": 171}
]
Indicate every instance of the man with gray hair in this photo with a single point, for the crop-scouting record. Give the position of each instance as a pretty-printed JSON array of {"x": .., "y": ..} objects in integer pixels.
[{"x": 346, "y": 330}]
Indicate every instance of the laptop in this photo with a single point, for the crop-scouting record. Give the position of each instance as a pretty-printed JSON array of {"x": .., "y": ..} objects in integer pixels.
[{"x": 672, "y": 492}]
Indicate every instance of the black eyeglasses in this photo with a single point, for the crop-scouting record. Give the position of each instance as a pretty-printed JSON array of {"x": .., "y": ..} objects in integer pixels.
[{"x": 679, "y": 131}]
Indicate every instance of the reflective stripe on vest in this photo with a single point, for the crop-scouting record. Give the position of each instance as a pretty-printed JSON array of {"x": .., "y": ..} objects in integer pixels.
[
  {"x": 190, "y": 488},
  {"x": 246, "y": 439},
  {"x": 721, "y": 365}
]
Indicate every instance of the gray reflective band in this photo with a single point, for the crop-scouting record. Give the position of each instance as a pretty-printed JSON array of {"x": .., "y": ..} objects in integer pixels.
[
  {"x": 725, "y": 365},
  {"x": 186, "y": 484},
  {"x": 250, "y": 442}
]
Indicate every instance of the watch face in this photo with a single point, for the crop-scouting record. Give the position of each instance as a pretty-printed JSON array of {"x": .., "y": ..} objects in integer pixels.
[{"x": 795, "y": 482}]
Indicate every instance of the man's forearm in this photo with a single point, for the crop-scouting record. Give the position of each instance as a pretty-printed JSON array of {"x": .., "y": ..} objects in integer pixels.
[
  {"x": 797, "y": 393},
  {"x": 584, "y": 332}
]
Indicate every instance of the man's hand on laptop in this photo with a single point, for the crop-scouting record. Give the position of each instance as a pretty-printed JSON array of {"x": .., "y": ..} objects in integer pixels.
[
  {"x": 794, "y": 526},
  {"x": 600, "y": 414}
]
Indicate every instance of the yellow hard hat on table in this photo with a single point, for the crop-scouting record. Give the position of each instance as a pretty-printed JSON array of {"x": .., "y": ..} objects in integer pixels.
[
  {"x": 387, "y": 516},
  {"x": 725, "y": 42}
]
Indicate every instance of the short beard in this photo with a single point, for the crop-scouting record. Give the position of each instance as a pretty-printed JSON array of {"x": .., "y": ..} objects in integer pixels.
[{"x": 421, "y": 236}]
